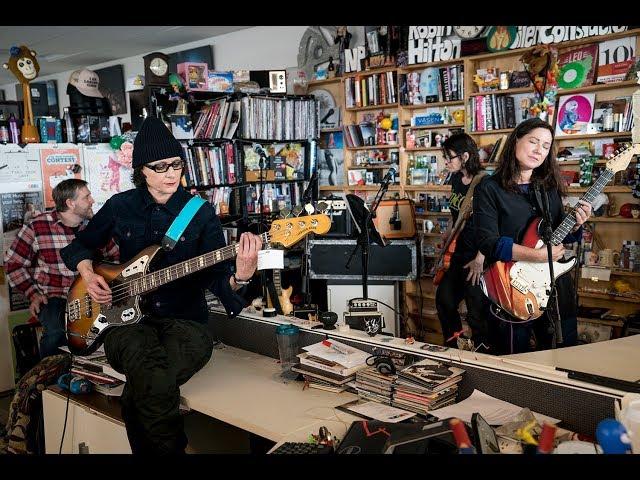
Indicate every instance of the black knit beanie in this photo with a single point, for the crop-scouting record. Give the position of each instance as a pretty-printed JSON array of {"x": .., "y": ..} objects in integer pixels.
[{"x": 154, "y": 142}]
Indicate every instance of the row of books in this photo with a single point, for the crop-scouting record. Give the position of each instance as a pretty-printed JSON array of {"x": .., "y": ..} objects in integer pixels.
[
  {"x": 268, "y": 118},
  {"x": 359, "y": 135},
  {"x": 492, "y": 112},
  {"x": 374, "y": 89},
  {"x": 220, "y": 119},
  {"x": 275, "y": 196},
  {"x": 212, "y": 165},
  {"x": 443, "y": 84}
]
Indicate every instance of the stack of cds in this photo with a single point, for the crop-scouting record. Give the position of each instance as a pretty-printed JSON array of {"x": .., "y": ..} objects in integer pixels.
[{"x": 373, "y": 385}]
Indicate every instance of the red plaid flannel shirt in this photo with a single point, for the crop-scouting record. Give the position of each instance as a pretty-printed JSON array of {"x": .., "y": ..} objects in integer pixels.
[{"x": 33, "y": 262}]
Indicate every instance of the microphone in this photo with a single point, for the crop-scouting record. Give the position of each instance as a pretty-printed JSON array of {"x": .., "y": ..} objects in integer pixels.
[
  {"x": 259, "y": 149},
  {"x": 391, "y": 173}
]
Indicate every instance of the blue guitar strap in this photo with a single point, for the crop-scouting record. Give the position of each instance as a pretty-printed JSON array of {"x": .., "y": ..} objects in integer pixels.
[{"x": 181, "y": 222}]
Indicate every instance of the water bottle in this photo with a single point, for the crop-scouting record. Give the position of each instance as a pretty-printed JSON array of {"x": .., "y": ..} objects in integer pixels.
[
  {"x": 14, "y": 133},
  {"x": 287, "y": 337}
]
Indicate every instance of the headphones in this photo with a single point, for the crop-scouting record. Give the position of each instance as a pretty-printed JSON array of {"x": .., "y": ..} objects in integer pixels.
[{"x": 383, "y": 364}]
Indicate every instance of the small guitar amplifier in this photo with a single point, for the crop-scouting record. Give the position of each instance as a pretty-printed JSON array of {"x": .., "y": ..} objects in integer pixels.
[
  {"x": 363, "y": 315},
  {"x": 336, "y": 208}
]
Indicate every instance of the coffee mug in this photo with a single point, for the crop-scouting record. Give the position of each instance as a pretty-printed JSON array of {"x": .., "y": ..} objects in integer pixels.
[{"x": 609, "y": 257}]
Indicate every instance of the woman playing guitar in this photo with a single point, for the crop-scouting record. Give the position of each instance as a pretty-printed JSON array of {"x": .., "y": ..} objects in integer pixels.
[{"x": 465, "y": 262}]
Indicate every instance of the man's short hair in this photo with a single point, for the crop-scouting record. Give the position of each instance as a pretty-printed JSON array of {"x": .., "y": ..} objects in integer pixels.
[{"x": 65, "y": 190}]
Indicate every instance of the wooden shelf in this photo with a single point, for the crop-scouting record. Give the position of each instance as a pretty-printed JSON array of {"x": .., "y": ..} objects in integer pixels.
[
  {"x": 433, "y": 188},
  {"x": 419, "y": 66},
  {"x": 491, "y": 132},
  {"x": 507, "y": 91},
  {"x": 624, "y": 273},
  {"x": 433, "y": 214},
  {"x": 332, "y": 187},
  {"x": 611, "y": 189},
  {"x": 329, "y": 130},
  {"x": 433, "y": 127},
  {"x": 423, "y": 149},
  {"x": 602, "y": 161},
  {"x": 435, "y": 104},
  {"x": 610, "y": 323},
  {"x": 368, "y": 167},
  {"x": 372, "y": 147},
  {"x": 371, "y": 187},
  {"x": 592, "y": 135},
  {"x": 365, "y": 73},
  {"x": 614, "y": 220},
  {"x": 598, "y": 87},
  {"x": 327, "y": 81},
  {"x": 604, "y": 296},
  {"x": 372, "y": 107}
]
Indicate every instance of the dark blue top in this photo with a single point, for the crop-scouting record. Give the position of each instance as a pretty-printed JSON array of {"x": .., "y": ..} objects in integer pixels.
[{"x": 135, "y": 221}]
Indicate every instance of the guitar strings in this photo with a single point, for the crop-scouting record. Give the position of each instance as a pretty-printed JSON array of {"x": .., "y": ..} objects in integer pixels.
[{"x": 122, "y": 291}]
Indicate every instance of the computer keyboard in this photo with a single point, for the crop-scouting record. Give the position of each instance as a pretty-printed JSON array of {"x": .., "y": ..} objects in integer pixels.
[{"x": 302, "y": 448}]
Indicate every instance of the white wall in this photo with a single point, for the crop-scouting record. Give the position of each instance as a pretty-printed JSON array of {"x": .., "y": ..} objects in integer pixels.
[{"x": 258, "y": 48}]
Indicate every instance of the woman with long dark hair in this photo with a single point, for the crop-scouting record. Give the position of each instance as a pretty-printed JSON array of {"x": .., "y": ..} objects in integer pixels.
[
  {"x": 505, "y": 204},
  {"x": 461, "y": 280}
]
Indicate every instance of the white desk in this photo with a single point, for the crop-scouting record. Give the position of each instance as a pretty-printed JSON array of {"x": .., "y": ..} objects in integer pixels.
[
  {"x": 619, "y": 358},
  {"x": 244, "y": 389}
]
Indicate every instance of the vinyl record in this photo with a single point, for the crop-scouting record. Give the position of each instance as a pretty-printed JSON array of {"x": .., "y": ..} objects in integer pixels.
[
  {"x": 328, "y": 110},
  {"x": 572, "y": 75}
]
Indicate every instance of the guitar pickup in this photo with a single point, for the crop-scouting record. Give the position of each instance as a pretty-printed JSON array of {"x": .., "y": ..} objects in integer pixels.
[{"x": 519, "y": 285}]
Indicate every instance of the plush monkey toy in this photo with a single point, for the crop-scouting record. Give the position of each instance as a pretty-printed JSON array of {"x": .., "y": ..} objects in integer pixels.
[{"x": 25, "y": 67}]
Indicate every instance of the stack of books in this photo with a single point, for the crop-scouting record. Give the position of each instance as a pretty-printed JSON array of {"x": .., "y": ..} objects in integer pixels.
[
  {"x": 426, "y": 385},
  {"x": 330, "y": 365},
  {"x": 96, "y": 369},
  {"x": 373, "y": 385}
]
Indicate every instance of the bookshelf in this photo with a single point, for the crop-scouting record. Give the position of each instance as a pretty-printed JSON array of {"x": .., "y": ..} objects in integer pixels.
[{"x": 611, "y": 230}]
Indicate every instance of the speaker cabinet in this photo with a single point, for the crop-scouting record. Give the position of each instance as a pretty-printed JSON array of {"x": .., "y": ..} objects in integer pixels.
[{"x": 395, "y": 262}]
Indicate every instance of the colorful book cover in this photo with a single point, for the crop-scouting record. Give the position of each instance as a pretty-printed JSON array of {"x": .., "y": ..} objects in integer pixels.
[
  {"x": 220, "y": 81},
  {"x": 577, "y": 66},
  {"x": 575, "y": 114},
  {"x": 615, "y": 58},
  {"x": 58, "y": 164}
]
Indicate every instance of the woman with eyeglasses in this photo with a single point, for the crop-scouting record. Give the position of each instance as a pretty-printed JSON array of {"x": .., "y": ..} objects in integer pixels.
[
  {"x": 172, "y": 341},
  {"x": 503, "y": 207},
  {"x": 462, "y": 160}
]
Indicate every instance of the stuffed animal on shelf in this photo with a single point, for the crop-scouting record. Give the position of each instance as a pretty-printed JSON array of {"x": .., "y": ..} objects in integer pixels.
[
  {"x": 541, "y": 64},
  {"x": 23, "y": 64}
]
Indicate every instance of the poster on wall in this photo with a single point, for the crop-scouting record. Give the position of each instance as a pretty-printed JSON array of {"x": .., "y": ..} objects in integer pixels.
[
  {"x": 574, "y": 114},
  {"x": 112, "y": 87},
  {"x": 106, "y": 172},
  {"x": 58, "y": 164},
  {"x": 19, "y": 170}
]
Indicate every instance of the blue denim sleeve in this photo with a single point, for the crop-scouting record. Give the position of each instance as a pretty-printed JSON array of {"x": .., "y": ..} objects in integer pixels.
[{"x": 504, "y": 249}]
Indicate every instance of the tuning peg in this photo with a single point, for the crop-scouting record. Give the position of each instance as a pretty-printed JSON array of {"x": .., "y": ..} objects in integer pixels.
[
  {"x": 321, "y": 207},
  {"x": 285, "y": 212},
  {"x": 309, "y": 209},
  {"x": 297, "y": 210}
]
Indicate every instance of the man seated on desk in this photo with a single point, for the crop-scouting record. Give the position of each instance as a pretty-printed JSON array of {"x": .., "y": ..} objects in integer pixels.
[{"x": 172, "y": 342}]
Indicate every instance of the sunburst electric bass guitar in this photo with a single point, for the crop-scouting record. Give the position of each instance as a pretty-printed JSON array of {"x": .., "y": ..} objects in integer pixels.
[
  {"x": 87, "y": 321},
  {"x": 522, "y": 288}
]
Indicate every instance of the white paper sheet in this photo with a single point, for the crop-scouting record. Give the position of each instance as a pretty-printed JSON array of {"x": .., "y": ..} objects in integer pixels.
[
  {"x": 270, "y": 259},
  {"x": 378, "y": 411},
  {"x": 493, "y": 410}
]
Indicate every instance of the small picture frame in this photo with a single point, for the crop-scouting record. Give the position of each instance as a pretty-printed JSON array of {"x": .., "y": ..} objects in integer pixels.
[{"x": 195, "y": 76}]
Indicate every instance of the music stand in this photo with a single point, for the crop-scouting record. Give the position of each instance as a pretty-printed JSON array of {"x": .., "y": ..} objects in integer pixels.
[{"x": 362, "y": 218}]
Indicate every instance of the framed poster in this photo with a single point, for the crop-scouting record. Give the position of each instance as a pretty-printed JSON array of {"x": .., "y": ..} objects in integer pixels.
[
  {"x": 44, "y": 98},
  {"x": 58, "y": 164},
  {"x": 112, "y": 87},
  {"x": 574, "y": 114}
]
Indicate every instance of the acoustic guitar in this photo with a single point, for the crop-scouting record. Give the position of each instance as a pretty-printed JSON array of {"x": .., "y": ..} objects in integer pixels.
[{"x": 87, "y": 321}]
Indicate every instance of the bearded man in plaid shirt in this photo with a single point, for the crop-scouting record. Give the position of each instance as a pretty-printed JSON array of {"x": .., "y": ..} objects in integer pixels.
[{"x": 33, "y": 262}]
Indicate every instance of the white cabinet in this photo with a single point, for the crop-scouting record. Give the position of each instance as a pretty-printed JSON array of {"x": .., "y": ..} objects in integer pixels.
[{"x": 87, "y": 431}]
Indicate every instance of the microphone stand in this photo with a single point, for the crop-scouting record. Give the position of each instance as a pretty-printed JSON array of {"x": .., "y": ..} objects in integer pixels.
[
  {"x": 263, "y": 277},
  {"x": 547, "y": 238},
  {"x": 307, "y": 197}
]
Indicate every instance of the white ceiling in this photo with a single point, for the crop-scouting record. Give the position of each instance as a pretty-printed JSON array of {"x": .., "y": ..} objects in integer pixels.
[{"x": 68, "y": 48}]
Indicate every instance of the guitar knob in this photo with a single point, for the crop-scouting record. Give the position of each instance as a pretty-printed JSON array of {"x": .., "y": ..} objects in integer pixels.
[{"x": 94, "y": 330}]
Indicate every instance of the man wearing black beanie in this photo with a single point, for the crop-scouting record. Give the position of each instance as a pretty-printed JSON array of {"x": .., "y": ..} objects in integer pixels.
[{"x": 171, "y": 343}]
